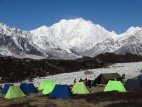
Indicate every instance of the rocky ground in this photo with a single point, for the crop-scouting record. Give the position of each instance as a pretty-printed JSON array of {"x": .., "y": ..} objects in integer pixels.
[
  {"x": 17, "y": 70},
  {"x": 97, "y": 99}
]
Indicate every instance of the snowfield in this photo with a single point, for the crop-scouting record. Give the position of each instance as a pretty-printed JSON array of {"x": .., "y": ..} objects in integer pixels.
[{"x": 131, "y": 70}]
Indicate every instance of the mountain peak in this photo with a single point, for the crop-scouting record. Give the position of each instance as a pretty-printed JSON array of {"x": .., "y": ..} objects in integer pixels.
[
  {"x": 44, "y": 27},
  {"x": 75, "y": 19},
  {"x": 72, "y": 34},
  {"x": 70, "y": 37},
  {"x": 132, "y": 29},
  {"x": 113, "y": 32}
]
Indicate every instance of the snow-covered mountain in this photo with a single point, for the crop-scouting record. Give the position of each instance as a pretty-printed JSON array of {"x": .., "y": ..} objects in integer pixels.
[
  {"x": 17, "y": 42},
  {"x": 75, "y": 35},
  {"x": 130, "y": 41},
  {"x": 69, "y": 39}
]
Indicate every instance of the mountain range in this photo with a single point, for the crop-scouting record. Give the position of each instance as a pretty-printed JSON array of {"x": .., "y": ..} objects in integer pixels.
[{"x": 68, "y": 39}]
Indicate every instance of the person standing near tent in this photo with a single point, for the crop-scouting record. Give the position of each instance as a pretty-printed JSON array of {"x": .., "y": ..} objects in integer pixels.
[
  {"x": 74, "y": 80},
  {"x": 0, "y": 87},
  {"x": 123, "y": 76},
  {"x": 92, "y": 83},
  {"x": 89, "y": 83},
  {"x": 80, "y": 80},
  {"x": 86, "y": 82}
]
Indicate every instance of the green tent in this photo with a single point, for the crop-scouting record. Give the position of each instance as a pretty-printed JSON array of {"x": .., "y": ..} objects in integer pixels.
[
  {"x": 43, "y": 83},
  {"x": 114, "y": 86},
  {"x": 13, "y": 92},
  {"x": 49, "y": 88},
  {"x": 80, "y": 88}
]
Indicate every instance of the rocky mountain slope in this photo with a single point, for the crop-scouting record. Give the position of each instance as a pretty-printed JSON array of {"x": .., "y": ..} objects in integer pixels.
[
  {"x": 15, "y": 70},
  {"x": 68, "y": 39},
  {"x": 129, "y": 42}
]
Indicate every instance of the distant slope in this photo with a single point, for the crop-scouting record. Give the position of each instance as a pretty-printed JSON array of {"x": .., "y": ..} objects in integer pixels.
[
  {"x": 14, "y": 70},
  {"x": 115, "y": 58}
]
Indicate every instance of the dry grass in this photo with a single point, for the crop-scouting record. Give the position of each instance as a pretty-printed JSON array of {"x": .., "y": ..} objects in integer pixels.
[
  {"x": 126, "y": 104},
  {"x": 100, "y": 99}
]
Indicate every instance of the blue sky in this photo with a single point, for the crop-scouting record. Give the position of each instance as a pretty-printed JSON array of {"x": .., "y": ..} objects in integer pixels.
[{"x": 114, "y": 15}]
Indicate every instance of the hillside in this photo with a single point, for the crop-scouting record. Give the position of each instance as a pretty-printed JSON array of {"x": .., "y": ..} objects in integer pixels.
[{"x": 14, "y": 70}]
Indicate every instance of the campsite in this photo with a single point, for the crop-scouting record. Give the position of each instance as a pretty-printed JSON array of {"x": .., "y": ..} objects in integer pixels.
[
  {"x": 81, "y": 97},
  {"x": 70, "y": 53},
  {"x": 108, "y": 89}
]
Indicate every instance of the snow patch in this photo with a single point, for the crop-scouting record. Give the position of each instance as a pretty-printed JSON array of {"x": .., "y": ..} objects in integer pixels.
[{"x": 131, "y": 70}]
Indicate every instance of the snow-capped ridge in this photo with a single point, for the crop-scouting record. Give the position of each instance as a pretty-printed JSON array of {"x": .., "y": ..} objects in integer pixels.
[
  {"x": 71, "y": 38},
  {"x": 44, "y": 27},
  {"x": 76, "y": 34},
  {"x": 132, "y": 28},
  {"x": 7, "y": 30}
]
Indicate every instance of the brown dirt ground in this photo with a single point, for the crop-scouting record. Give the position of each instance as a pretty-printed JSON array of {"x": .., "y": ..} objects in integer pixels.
[{"x": 96, "y": 99}]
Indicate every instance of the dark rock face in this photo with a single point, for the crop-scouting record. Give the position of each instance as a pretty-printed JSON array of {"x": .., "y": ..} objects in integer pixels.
[
  {"x": 115, "y": 58},
  {"x": 19, "y": 45},
  {"x": 16, "y": 70}
]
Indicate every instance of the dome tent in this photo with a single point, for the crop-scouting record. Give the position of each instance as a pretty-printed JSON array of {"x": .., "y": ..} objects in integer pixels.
[
  {"x": 43, "y": 83},
  {"x": 49, "y": 88},
  {"x": 5, "y": 88},
  {"x": 105, "y": 77},
  {"x": 80, "y": 88},
  {"x": 14, "y": 92},
  {"x": 114, "y": 86},
  {"x": 133, "y": 84},
  {"x": 61, "y": 91},
  {"x": 28, "y": 88}
]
